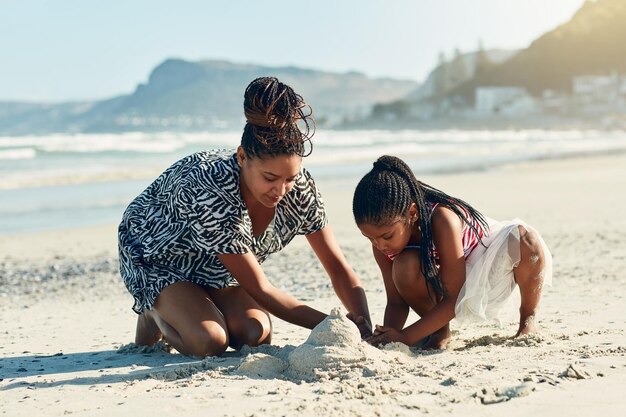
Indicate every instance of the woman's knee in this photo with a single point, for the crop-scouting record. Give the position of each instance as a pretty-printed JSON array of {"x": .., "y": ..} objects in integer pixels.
[
  {"x": 252, "y": 332},
  {"x": 208, "y": 339}
]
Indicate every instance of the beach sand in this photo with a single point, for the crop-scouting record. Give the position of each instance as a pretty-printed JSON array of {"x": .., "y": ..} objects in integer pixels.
[{"x": 67, "y": 324}]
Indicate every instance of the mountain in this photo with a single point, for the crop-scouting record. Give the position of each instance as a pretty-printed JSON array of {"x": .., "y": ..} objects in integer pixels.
[
  {"x": 24, "y": 118},
  {"x": 184, "y": 95},
  {"x": 591, "y": 42}
]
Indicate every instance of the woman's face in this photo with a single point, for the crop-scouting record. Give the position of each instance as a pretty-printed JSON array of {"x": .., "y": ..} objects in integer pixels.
[{"x": 268, "y": 179}]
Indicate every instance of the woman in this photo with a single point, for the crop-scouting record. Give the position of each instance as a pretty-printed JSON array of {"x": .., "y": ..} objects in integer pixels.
[{"x": 192, "y": 243}]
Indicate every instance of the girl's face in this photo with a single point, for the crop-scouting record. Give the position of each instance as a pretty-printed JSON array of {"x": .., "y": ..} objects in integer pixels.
[
  {"x": 267, "y": 179},
  {"x": 393, "y": 238}
]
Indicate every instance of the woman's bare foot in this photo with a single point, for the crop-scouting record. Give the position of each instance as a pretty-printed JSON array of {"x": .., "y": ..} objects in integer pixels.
[
  {"x": 147, "y": 333},
  {"x": 527, "y": 325},
  {"x": 439, "y": 339}
]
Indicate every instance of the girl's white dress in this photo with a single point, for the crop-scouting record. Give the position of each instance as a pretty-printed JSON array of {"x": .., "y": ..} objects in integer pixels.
[{"x": 489, "y": 280}]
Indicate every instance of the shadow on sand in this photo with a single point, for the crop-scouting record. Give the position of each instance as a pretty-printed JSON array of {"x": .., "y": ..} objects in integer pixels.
[{"x": 89, "y": 368}]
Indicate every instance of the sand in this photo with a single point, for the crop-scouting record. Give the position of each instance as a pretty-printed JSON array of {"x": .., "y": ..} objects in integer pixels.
[{"x": 67, "y": 326}]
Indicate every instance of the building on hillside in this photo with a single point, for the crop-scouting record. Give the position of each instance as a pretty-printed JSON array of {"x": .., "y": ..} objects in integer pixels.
[
  {"x": 504, "y": 101},
  {"x": 598, "y": 86},
  {"x": 554, "y": 102},
  {"x": 594, "y": 94}
]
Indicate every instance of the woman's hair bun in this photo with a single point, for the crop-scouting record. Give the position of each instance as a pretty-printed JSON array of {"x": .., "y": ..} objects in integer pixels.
[{"x": 277, "y": 118}]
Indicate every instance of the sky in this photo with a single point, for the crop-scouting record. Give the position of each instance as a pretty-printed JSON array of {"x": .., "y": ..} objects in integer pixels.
[{"x": 68, "y": 50}]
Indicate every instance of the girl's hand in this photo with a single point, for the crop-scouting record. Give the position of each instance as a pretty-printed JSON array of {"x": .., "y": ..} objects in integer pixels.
[
  {"x": 364, "y": 326},
  {"x": 384, "y": 334}
]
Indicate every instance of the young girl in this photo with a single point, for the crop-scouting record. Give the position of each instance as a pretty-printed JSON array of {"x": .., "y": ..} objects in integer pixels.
[
  {"x": 191, "y": 245},
  {"x": 442, "y": 258}
]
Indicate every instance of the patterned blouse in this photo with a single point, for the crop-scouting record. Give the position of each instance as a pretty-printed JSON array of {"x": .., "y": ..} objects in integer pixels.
[{"x": 174, "y": 230}]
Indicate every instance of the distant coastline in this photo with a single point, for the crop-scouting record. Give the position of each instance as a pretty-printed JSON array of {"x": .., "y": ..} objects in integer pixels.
[{"x": 537, "y": 122}]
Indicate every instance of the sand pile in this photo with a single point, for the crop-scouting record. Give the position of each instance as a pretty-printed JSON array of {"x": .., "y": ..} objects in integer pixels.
[{"x": 333, "y": 350}]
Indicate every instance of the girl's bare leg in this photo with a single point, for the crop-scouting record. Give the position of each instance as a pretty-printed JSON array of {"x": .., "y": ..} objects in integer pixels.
[
  {"x": 529, "y": 276},
  {"x": 412, "y": 287}
]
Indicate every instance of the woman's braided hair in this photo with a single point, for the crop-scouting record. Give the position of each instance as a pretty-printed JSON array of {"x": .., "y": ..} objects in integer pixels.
[
  {"x": 278, "y": 121},
  {"x": 385, "y": 194}
]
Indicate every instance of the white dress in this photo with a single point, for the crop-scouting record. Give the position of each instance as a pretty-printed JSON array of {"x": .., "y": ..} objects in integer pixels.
[{"x": 489, "y": 280}]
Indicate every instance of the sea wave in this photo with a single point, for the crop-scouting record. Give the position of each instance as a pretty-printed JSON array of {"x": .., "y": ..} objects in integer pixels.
[
  {"x": 72, "y": 180},
  {"x": 31, "y": 161},
  {"x": 123, "y": 142},
  {"x": 169, "y": 142},
  {"x": 18, "y": 153},
  {"x": 57, "y": 178}
]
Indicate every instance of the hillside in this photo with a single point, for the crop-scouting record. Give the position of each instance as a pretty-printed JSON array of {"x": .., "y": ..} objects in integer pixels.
[
  {"x": 591, "y": 42},
  {"x": 183, "y": 95}
]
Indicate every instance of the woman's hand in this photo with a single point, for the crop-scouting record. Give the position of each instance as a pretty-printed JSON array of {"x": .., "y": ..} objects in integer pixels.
[
  {"x": 384, "y": 334},
  {"x": 346, "y": 283},
  {"x": 364, "y": 326}
]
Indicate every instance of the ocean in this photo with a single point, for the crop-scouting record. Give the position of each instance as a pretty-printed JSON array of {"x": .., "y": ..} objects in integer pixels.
[{"x": 63, "y": 181}]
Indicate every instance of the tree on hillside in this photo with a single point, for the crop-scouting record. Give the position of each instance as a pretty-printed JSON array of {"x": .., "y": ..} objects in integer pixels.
[
  {"x": 458, "y": 69},
  {"x": 442, "y": 75},
  {"x": 483, "y": 64}
]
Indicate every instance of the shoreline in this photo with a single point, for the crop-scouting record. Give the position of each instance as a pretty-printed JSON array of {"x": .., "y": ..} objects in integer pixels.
[
  {"x": 145, "y": 162},
  {"x": 64, "y": 325},
  {"x": 125, "y": 186}
]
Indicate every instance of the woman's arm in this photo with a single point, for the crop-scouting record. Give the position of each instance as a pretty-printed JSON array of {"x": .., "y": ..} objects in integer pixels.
[
  {"x": 345, "y": 282},
  {"x": 396, "y": 310},
  {"x": 247, "y": 271}
]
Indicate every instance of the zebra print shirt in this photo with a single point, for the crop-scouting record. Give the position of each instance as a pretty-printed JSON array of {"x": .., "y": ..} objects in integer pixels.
[{"x": 174, "y": 230}]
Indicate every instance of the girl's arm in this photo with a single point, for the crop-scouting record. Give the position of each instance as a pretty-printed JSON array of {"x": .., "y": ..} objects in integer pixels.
[
  {"x": 345, "y": 282},
  {"x": 447, "y": 229},
  {"x": 247, "y": 271},
  {"x": 396, "y": 310},
  {"x": 447, "y": 235}
]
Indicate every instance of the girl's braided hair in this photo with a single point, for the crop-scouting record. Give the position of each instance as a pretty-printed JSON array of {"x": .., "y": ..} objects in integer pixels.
[
  {"x": 385, "y": 194},
  {"x": 278, "y": 121}
]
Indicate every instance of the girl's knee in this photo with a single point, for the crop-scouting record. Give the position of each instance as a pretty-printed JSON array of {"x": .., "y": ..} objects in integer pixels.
[
  {"x": 531, "y": 250},
  {"x": 529, "y": 274},
  {"x": 410, "y": 282},
  {"x": 209, "y": 339},
  {"x": 406, "y": 269}
]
